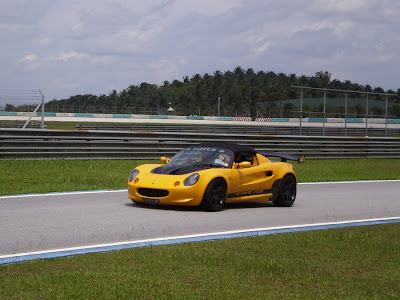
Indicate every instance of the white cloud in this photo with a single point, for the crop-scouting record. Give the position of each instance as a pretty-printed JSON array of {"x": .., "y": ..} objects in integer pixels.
[
  {"x": 67, "y": 56},
  {"x": 210, "y": 8},
  {"x": 29, "y": 58},
  {"x": 261, "y": 49},
  {"x": 30, "y": 62},
  {"x": 343, "y": 6},
  {"x": 5, "y": 27},
  {"x": 340, "y": 29},
  {"x": 45, "y": 41},
  {"x": 164, "y": 69}
]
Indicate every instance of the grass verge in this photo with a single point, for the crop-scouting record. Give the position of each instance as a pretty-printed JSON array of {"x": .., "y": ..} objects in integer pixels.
[
  {"x": 351, "y": 263},
  {"x": 43, "y": 176}
]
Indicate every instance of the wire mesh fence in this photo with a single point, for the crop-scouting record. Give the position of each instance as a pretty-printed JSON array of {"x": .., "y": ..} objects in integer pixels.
[
  {"x": 318, "y": 103},
  {"x": 24, "y": 100}
]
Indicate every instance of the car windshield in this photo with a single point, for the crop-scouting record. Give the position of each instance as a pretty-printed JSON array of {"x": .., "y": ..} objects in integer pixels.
[{"x": 203, "y": 156}]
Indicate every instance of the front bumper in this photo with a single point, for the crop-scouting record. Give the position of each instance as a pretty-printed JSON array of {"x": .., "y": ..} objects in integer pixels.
[{"x": 155, "y": 193}]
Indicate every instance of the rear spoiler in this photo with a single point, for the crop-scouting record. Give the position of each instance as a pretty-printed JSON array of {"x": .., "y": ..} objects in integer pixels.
[{"x": 285, "y": 157}]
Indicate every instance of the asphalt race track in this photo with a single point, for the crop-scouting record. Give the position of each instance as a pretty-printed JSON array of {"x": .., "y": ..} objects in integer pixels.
[{"x": 32, "y": 223}]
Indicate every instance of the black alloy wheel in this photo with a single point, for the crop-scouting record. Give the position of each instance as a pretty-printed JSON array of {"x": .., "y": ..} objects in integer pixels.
[
  {"x": 215, "y": 195},
  {"x": 287, "y": 192}
]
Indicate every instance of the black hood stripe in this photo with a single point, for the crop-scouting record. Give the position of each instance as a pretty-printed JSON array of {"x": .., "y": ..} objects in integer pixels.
[{"x": 167, "y": 170}]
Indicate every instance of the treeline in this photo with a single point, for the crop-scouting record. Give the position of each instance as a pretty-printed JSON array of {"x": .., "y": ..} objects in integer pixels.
[{"x": 232, "y": 92}]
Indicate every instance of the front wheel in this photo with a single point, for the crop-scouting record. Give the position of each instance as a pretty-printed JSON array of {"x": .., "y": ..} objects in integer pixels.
[
  {"x": 287, "y": 192},
  {"x": 215, "y": 195}
]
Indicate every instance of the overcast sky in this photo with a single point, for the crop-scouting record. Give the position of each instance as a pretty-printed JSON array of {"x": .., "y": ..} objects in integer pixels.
[{"x": 73, "y": 47}]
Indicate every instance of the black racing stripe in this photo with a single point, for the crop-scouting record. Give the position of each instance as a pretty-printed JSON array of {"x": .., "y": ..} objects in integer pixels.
[{"x": 251, "y": 193}]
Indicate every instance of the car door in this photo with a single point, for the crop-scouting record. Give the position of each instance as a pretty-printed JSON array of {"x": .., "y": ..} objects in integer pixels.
[{"x": 249, "y": 184}]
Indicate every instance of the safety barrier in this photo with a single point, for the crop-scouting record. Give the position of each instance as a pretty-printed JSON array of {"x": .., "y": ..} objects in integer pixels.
[
  {"x": 20, "y": 125},
  {"x": 98, "y": 144},
  {"x": 264, "y": 130}
]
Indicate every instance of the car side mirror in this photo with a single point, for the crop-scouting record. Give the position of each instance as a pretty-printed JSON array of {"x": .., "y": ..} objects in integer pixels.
[
  {"x": 164, "y": 159},
  {"x": 245, "y": 164}
]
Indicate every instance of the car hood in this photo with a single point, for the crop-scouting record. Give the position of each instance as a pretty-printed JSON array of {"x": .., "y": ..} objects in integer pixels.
[{"x": 176, "y": 170}]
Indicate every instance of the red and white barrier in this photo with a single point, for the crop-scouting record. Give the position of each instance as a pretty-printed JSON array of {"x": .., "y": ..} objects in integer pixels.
[
  {"x": 242, "y": 118},
  {"x": 263, "y": 119}
]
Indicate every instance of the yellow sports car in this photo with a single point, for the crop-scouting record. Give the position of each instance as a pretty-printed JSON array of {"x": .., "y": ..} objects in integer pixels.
[{"x": 212, "y": 174}]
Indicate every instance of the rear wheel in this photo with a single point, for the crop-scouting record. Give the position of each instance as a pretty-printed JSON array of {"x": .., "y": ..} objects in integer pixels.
[
  {"x": 215, "y": 195},
  {"x": 287, "y": 192}
]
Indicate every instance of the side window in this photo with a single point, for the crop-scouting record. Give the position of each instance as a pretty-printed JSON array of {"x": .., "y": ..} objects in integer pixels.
[
  {"x": 243, "y": 156},
  {"x": 255, "y": 161}
]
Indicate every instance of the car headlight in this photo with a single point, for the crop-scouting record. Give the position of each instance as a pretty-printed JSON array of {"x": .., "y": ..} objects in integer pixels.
[
  {"x": 192, "y": 179},
  {"x": 133, "y": 174}
]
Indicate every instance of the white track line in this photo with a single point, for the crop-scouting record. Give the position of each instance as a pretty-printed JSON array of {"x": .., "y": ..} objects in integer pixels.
[
  {"x": 63, "y": 193},
  {"x": 19, "y": 257}
]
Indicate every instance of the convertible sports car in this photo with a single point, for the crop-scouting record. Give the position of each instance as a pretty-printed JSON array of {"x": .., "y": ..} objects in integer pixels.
[{"x": 212, "y": 174}]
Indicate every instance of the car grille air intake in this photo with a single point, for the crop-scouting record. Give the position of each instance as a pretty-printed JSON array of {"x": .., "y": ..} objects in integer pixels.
[{"x": 153, "y": 192}]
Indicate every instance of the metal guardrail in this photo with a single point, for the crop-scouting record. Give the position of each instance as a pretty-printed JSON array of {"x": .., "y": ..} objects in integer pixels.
[
  {"x": 21, "y": 125},
  {"x": 96, "y": 144},
  {"x": 264, "y": 130}
]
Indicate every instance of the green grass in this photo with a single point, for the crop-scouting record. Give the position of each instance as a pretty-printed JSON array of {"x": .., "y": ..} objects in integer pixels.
[
  {"x": 352, "y": 263},
  {"x": 348, "y": 170},
  {"x": 61, "y": 125},
  {"x": 43, "y": 176}
]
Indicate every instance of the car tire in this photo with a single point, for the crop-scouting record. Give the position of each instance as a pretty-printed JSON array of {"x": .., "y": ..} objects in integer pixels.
[
  {"x": 287, "y": 192},
  {"x": 215, "y": 195}
]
